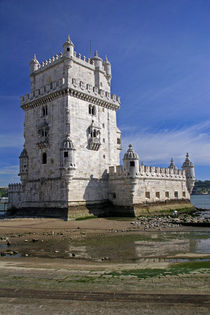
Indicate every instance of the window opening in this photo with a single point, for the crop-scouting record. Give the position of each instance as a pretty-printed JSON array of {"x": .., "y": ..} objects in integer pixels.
[
  {"x": 157, "y": 195},
  {"x": 132, "y": 163},
  {"x": 90, "y": 109},
  {"x": 44, "y": 158},
  {"x": 167, "y": 194},
  {"x": 147, "y": 194},
  {"x": 66, "y": 154}
]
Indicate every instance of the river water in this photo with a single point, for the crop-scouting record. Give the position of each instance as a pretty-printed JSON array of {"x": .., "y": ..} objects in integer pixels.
[{"x": 201, "y": 201}]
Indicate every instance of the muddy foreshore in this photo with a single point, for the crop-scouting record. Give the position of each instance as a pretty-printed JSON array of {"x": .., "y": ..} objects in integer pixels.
[{"x": 53, "y": 265}]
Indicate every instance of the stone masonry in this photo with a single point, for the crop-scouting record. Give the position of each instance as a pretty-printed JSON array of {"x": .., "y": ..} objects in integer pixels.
[{"x": 72, "y": 147}]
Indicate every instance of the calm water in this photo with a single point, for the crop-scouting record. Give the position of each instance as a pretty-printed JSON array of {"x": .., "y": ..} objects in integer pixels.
[
  {"x": 141, "y": 247},
  {"x": 201, "y": 201}
]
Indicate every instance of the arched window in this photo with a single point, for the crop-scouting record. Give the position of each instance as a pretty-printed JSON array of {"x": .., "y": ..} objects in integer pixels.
[
  {"x": 90, "y": 109},
  {"x": 93, "y": 110},
  {"x": 65, "y": 154},
  {"x": 44, "y": 111},
  {"x": 132, "y": 163},
  {"x": 44, "y": 158}
]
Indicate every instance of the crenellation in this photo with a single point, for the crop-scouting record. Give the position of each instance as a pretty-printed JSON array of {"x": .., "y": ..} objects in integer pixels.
[
  {"x": 12, "y": 188},
  {"x": 119, "y": 170}
]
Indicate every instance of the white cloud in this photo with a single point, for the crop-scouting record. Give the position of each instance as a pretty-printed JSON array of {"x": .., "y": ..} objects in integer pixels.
[
  {"x": 9, "y": 174},
  {"x": 11, "y": 140},
  {"x": 160, "y": 146},
  {"x": 9, "y": 170}
]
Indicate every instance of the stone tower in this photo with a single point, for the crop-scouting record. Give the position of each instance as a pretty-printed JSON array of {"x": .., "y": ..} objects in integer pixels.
[
  {"x": 71, "y": 134},
  {"x": 70, "y": 158}
]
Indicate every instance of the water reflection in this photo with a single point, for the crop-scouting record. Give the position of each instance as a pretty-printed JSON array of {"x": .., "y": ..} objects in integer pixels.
[{"x": 126, "y": 248}]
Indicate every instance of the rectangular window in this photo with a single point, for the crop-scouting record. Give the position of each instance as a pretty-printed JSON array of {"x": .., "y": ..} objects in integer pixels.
[
  {"x": 44, "y": 158},
  {"x": 66, "y": 154},
  {"x": 147, "y": 194},
  {"x": 167, "y": 194},
  {"x": 157, "y": 194},
  {"x": 132, "y": 163},
  {"x": 176, "y": 194},
  {"x": 118, "y": 141},
  {"x": 184, "y": 194}
]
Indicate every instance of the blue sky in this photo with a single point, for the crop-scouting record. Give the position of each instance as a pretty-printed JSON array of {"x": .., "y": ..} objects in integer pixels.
[{"x": 160, "y": 55}]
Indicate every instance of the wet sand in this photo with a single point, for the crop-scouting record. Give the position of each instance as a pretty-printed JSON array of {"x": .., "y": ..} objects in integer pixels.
[{"x": 75, "y": 285}]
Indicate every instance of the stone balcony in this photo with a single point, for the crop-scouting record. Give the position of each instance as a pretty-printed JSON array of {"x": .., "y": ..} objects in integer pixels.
[{"x": 94, "y": 143}]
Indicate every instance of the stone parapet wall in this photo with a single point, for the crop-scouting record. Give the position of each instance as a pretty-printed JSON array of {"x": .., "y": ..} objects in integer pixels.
[
  {"x": 13, "y": 188},
  {"x": 148, "y": 172},
  {"x": 86, "y": 91}
]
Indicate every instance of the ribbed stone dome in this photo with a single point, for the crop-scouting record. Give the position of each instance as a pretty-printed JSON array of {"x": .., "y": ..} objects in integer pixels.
[
  {"x": 68, "y": 144},
  {"x": 187, "y": 162},
  {"x": 24, "y": 154},
  {"x": 130, "y": 154}
]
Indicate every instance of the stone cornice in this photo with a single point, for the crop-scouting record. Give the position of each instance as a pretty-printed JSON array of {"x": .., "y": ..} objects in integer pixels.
[{"x": 101, "y": 101}]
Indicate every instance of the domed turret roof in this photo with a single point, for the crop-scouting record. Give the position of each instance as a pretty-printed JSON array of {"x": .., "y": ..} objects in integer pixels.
[
  {"x": 187, "y": 162},
  {"x": 96, "y": 57},
  {"x": 24, "y": 154},
  {"x": 68, "y": 144},
  {"x": 172, "y": 165},
  {"x": 130, "y": 154},
  {"x": 106, "y": 61},
  {"x": 68, "y": 41}
]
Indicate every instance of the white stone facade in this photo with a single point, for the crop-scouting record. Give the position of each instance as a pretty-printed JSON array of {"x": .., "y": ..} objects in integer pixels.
[{"x": 72, "y": 143}]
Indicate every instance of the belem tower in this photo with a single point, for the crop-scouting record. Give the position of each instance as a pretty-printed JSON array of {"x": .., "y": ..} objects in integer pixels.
[{"x": 71, "y": 156}]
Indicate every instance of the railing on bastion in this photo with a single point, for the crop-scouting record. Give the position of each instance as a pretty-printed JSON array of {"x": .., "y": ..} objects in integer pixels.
[
  {"x": 13, "y": 188},
  {"x": 149, "y": 171}
]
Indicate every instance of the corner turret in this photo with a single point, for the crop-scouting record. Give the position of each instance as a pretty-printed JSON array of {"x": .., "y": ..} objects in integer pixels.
[
  {"x": 23, "y": 166},
  {"x": 34, "y": 64},
  {"x": 189, "y": 169},
  {"x": 107, "y": 68},
  {"x": 68, "y": 165},
  {"x": 131, "y": 162},
  {"x": 68, "y": 48},
  {"x": 97, "y": 61},
  {"x": 172, "y": 165}
]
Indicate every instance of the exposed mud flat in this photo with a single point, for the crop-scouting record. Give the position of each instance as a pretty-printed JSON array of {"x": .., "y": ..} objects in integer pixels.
[{"x": 89, "y": 262}]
